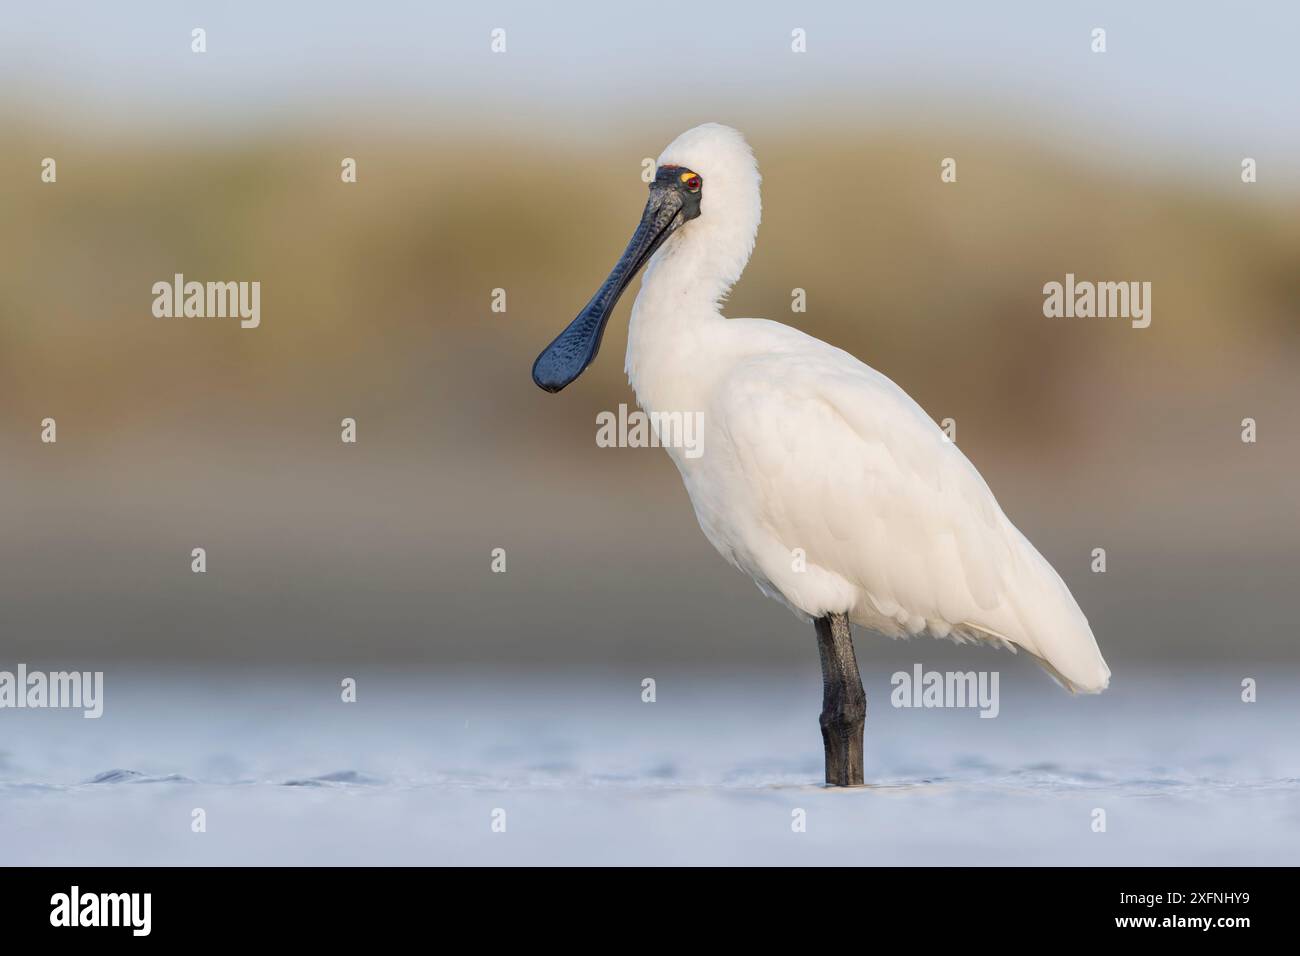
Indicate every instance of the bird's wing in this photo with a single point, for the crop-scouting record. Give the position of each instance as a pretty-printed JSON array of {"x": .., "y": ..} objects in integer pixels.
[{"x": 839, "y": 461}]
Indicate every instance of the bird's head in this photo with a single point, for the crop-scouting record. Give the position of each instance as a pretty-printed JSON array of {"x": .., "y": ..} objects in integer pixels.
[{"x": 703, "y": 211}]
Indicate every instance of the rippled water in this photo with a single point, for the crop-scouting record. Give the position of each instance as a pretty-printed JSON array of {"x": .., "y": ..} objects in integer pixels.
[{"x": 585, "y": 772}]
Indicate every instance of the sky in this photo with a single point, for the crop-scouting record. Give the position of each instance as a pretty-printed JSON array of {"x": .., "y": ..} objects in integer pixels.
[{"x": 1210, "y": 75}]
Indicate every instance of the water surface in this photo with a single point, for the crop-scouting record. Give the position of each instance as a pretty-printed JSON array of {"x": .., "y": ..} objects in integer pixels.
[{"x": 713, "y": 771}]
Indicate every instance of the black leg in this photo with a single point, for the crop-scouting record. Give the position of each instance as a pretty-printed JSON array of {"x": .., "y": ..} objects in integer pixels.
[{"x": 844, "y": 702}]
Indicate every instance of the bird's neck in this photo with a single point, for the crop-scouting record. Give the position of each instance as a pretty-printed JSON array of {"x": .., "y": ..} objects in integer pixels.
[
  {"x": 677, "y": 330},
  {"x": 672, "y": 335}
]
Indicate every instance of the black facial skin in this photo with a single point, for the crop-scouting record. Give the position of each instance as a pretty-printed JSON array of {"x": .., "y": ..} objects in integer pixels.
[{"x": 671, "y": 204}]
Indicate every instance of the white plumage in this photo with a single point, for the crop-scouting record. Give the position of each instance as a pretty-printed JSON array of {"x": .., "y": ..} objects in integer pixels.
[{"x": 820, "y": 478}]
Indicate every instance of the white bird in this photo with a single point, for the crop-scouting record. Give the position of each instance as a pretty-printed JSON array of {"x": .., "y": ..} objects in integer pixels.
[{"x": 819, "y": 478}]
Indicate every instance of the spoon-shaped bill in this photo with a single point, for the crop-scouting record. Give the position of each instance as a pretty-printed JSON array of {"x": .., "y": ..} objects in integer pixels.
[{"x": 575, "y": 348}]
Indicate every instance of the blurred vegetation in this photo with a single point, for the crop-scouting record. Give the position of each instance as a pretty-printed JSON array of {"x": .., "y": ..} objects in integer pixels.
[
  {"x": 381, "y": 290},
  {"x": 376, "y": 304}
]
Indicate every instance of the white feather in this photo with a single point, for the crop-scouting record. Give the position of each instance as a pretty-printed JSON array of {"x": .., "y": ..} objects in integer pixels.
[{"x": 820, "y": 478}]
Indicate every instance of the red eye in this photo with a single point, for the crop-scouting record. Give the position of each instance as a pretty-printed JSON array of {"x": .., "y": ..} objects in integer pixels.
[{"x": 693, "y": 183}]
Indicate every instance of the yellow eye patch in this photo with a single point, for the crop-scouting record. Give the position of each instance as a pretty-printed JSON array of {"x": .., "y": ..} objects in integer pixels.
[{"x": 686, "y": 175}]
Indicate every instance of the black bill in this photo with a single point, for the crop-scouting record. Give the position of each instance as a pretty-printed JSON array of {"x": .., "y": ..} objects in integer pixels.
[{"x": 669, "y": 206}]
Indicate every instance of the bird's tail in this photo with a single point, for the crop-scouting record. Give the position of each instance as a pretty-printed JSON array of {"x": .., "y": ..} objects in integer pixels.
[
  {"x": 1089, "y": 675},
  {"x": 1042, "y": 618}
]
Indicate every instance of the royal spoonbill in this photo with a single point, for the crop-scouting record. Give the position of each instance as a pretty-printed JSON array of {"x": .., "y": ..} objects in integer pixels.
[{"x": 819, "y": 478}]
